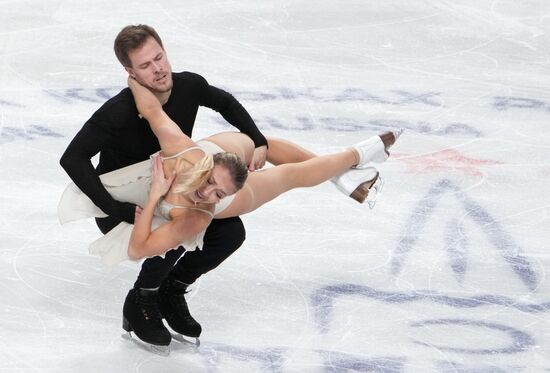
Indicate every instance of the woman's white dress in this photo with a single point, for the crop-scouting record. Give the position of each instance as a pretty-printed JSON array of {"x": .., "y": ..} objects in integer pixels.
[{"x": 128, "y": 184}]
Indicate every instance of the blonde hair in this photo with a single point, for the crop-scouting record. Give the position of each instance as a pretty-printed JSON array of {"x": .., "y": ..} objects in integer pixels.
[{"x": 190, "y": 179}]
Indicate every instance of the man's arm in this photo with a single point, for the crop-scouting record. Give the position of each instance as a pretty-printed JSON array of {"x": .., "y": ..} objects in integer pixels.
[
  {"x": 76, "y": 161},
  {"x": 234, "y": 113}
]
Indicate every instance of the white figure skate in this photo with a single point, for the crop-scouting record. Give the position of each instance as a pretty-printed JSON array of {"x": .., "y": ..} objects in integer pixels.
[
  {"x": 360, "y": 184},
  {"x": 376, "y": 148}
]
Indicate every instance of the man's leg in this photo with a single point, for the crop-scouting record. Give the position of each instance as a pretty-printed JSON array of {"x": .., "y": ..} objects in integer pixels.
[
  {"x": 141, "y": 312},
  {"x": 223, "y": 237}
]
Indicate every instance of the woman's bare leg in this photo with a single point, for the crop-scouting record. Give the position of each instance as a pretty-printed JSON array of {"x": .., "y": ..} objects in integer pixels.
[
  {"x": 282, "y": 151},
  {"x": 263, "y": 186},
  {"x": 234, "y": 142},
  {"x": 279, "y": 151}
]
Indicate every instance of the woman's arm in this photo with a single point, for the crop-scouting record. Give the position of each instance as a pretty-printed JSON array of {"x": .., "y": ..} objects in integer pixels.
[
  {"x": 140, "y": 239},
  {"x": 145, "y": 242},
  {"x": 171, "y": 138}
]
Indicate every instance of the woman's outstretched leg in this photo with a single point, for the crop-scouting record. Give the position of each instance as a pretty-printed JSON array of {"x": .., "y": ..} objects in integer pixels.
[
  {"x": 376, "y": 149},
  {"x": 282, "y": 151},
  {"x": 263, "y": 186},
  {"x": 311, "y": 170}
]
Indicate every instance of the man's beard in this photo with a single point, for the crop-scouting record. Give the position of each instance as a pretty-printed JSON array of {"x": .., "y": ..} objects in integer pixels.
[{"x": 165, "y": 88}]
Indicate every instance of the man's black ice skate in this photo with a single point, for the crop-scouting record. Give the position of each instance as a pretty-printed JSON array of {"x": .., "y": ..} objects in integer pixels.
[
  {"x": 175, "y": 310},
  {"x": 141, "y": 315}
]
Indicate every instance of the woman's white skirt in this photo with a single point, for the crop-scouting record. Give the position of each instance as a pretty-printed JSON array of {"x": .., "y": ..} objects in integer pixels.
[{"x": 128, "y": 184}]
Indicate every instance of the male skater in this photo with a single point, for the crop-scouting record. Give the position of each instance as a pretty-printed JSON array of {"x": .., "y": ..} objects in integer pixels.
[{"x": 122, "y": 137}]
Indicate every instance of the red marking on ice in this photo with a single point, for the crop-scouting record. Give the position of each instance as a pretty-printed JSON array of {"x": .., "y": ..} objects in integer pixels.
[{"x": 448, "y": 160}]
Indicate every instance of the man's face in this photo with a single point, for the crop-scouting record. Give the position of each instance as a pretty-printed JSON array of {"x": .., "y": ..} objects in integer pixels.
[{"x": 150, "y": 67}]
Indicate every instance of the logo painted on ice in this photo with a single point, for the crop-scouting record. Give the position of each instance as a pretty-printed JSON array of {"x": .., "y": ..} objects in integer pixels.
[
  {"x": 8, "y": 134},
  {"x": 339, "y": 124},
  {"x": 498, "y": 237},
  {"x": 70, "y": 95},
  {"x": 511, "y": 102},
  {"x": 513, "y": 340},
  {"x": 306, "y": 123},
  {"x": 448, "y": 160}
]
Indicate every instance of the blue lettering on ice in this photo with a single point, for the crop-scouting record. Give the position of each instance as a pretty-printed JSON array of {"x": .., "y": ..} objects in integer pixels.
[
  {"x": 519, "y": 341},
  {"x": 357, "y": 94},
  {"x": 349, "y": 125},
  {"x": 509, "y": 102},
  {"x": 324, "y": 298},
  {"x": 316, "y": 94},
  {"x": 9, "y": 103},
  {"x": 456, "y": 248},
  {"x": 70, "y": 95},
  {"x": 419, "y": 98},
  {"x": 453, "y": 367},
  {"x": 495, "y": 233},
  {"x": 396, "y": 97},
  {"x": 336, "y": 362},
  {"x": 31, "y": 132},
  {"x": 272, "y": 359}
]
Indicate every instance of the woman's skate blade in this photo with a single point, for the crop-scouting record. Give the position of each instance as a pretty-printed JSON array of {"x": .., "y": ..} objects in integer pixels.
[
  {"x": 368, "y": 191},
  {"x": 352, "y": 183}
]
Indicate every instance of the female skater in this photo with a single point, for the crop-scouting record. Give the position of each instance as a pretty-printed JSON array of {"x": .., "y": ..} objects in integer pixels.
[
  {"x": 198, "y": 181},
  {"x": 192, "y": 183}
]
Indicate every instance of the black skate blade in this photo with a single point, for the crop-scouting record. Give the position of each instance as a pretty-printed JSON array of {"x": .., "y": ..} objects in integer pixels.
[
  {"x": 186, "y": 341},
  {"x": 157, "y": 350}
]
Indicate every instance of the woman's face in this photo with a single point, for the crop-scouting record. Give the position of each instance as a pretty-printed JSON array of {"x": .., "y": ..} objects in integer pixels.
[{"x": 217, "y": 186}]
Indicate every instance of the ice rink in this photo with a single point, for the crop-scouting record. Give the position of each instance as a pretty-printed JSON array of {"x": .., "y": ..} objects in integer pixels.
[{"x": 449, "y": 273}]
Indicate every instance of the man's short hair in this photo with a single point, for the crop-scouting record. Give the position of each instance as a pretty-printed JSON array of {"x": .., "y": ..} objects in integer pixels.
[{"x": 132, "y": 37}]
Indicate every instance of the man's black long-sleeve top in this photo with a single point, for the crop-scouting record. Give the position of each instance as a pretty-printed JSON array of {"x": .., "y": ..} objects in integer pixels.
[{"x": 122, "y": 138}]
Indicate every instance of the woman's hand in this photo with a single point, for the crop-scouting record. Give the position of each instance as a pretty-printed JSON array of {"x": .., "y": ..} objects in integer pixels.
[{"x": 160, "y": 184}]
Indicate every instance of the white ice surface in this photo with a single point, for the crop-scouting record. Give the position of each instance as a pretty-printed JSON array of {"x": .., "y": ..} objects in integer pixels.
[{"x": 449, "y": 273}]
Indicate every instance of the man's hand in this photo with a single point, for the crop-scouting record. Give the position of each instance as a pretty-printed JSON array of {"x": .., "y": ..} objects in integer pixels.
[{"x": 258, "y": 158}]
